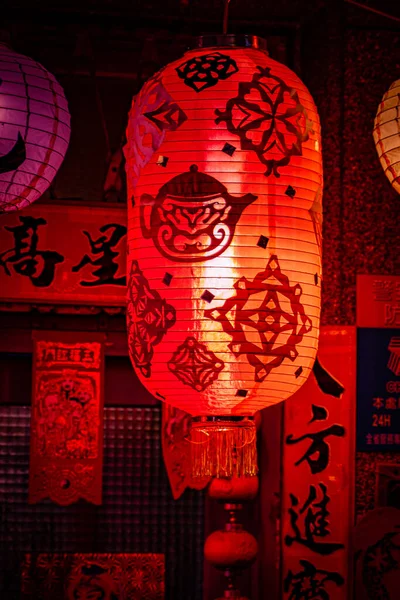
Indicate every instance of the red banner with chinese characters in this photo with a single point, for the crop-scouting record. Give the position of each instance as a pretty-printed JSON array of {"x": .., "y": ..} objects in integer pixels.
[
  {"x": 176, "y": 451},
  {"x": 67, "y": 418},
  {"x": 318, "y": 455},
  {"x": 64, "y": 254},
  {"x": 93, "y": 577}
]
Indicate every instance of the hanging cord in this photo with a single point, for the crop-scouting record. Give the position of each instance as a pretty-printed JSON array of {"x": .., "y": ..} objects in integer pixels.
[
  {"x": 373, "y": 10},
  {"x": 84, "y": 51},
  {"x": 226, "y": 16}
]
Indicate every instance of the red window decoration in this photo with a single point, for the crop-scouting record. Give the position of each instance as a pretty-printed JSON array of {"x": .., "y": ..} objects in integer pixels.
[
  {"x": 224, "y": 238},
  {"x": 34, "y": 129},
  {"x": 67, "y": 419},
  {"x": 93, "y": 576}
]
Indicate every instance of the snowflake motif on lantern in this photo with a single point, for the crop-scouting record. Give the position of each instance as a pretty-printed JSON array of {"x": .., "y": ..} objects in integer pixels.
[
  {"x": 195, "y": 365},
  {"x": 202, "y": 72},
  {"x": 265, "y": 319},
  {"x": 148, "y": 318},
  {"x": 268, "y": 118},
  {"x": 153, "y": 113}
]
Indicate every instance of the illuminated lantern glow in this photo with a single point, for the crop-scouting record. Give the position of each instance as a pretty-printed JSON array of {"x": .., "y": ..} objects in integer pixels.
[
  {"x": 34, "y": 129},
  {"x": 387, "y": 134},
  {"x": 224, "y": 174}
]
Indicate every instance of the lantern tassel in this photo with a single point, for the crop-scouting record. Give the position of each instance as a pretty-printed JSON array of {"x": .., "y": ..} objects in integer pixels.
[{"x": 223, "y": 447}]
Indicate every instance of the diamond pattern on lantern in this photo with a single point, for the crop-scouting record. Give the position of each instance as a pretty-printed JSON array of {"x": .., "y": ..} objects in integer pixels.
[
  {"x": 265, "y": 319},
  {"x": 290, "y": 191},
  {"x": 148, "y": 319},
  {"x": 195, "y": 365},
  {"x": 202, "y": 72},
  {"x": 268, "y": 118}
]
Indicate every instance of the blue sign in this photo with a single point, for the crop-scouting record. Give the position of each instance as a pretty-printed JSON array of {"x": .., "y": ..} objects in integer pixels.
[{"x": 378, "y": 390}]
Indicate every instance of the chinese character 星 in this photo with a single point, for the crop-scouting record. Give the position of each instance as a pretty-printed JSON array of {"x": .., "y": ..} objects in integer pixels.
[{"x": 106, "y": 268}]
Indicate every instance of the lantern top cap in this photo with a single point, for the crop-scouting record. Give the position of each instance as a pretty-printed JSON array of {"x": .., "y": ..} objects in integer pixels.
[{"x": 232, "y": 40}]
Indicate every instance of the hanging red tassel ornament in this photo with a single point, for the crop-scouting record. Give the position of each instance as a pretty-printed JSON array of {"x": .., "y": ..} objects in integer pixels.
[{"x": 224, "y": 170}]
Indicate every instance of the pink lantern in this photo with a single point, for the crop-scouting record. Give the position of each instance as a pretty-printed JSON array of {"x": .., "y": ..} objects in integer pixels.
[{"x": 34, "y": 129}]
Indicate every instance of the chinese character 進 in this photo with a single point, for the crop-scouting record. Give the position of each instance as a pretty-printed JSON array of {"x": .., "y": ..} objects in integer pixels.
[
  {"x": 315, "y": 520},
  {"x": 318, "y": 447},
  {"x": 106, "y": 268},
  {"x": 309, "y": 583},
  {"x": 25, "y": 258}
]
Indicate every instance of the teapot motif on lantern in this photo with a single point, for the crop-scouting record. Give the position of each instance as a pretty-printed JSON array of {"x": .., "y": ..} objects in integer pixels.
[{"x": 193, "y": 217}]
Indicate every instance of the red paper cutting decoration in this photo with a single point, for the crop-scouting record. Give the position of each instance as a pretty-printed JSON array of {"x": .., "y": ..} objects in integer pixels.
[
  {"x": 224, "y": 242},
  {"x": 34, "y": 129},
  {"x": 67, "y": 419}
]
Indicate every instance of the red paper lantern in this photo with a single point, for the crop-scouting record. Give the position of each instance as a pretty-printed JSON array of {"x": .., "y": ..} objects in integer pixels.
[
  {"x": 224, "y": 171},
  {"x": 34, "y": 129}
]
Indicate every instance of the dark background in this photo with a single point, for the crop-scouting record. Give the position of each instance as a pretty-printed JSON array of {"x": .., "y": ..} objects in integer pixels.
[{"x": 102, "y": 51}]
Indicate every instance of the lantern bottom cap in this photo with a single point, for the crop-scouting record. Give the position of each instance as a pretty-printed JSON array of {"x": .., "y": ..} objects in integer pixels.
[{"x": 223, "y": 447}]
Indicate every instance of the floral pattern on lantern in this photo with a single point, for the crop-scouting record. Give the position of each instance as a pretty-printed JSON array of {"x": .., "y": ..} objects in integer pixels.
[
  {"x": 194, "y": 365},
  {"x": 226, "y": 227},
  {"x": 267, "y": 105},
  {"x": 34, "y": 129},
  {"x": 257, "y": 328},
  {"x": 205, "y": 71},
  {"x": 387, "y": 134}
]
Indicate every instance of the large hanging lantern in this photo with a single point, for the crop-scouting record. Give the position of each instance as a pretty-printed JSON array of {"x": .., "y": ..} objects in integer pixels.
[
  {"x": 224, "y": 172},
  {"x": 34, "y": 129},
  {"x": 387, "y": 134}
]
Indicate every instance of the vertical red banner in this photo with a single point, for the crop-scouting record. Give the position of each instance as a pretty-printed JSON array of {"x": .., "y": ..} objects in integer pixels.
[
  {"x": 318, "y": 455},
  {"x": 67, "y": 418}
]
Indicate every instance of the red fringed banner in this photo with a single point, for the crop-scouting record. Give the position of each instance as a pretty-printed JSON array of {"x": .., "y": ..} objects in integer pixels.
[
  {"x": 67, "y": 418},
  {"x": 317, "y": 518},
  {"x": 176, "y": 451},
  {"x": 93, "y": 576}
]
